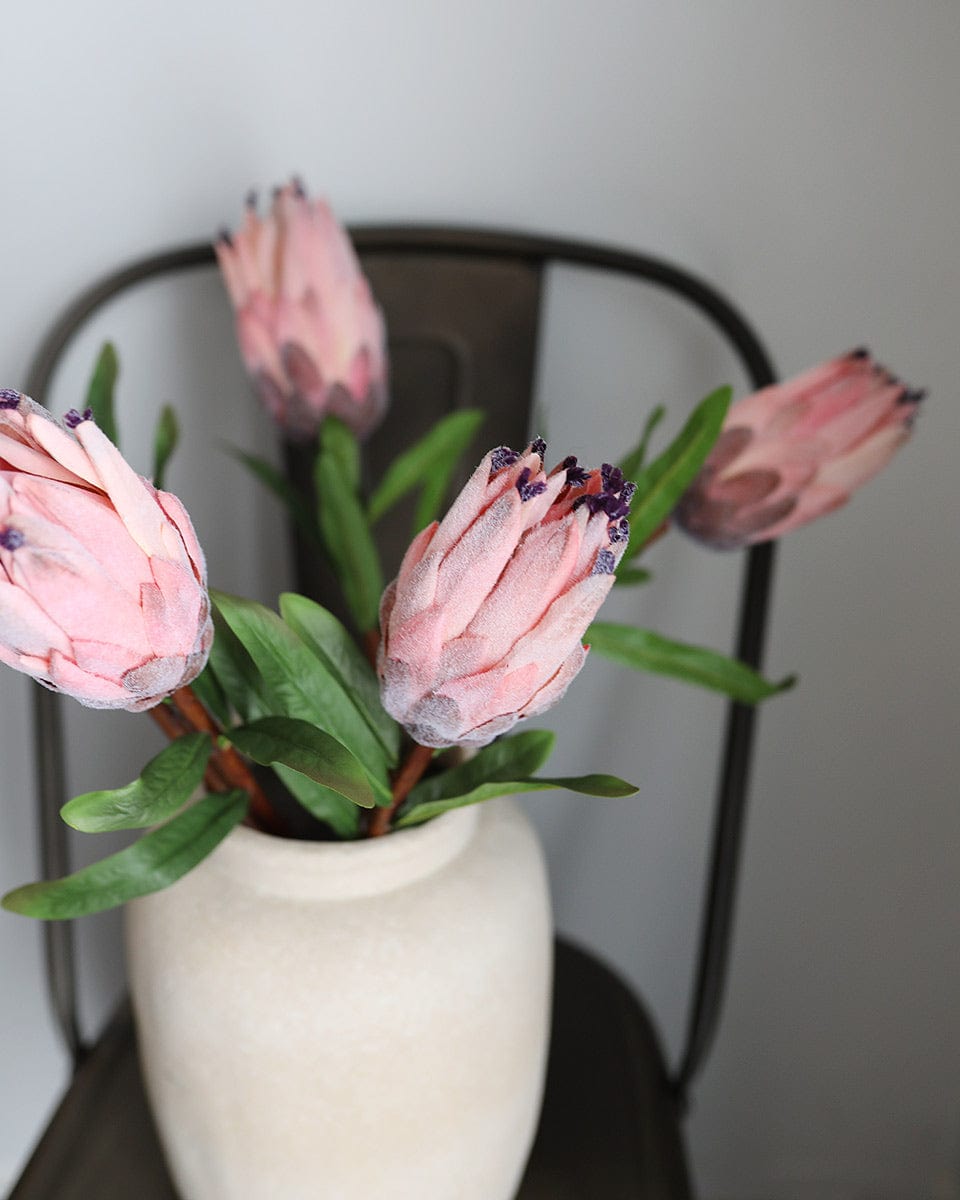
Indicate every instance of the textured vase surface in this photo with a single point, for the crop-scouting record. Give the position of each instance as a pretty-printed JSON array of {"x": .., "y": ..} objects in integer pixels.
[{"x": 349, "y": 1021}]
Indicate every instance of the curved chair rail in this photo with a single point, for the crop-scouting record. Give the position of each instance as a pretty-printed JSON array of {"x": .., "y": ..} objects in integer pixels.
[{"x": 720, "y": 889}]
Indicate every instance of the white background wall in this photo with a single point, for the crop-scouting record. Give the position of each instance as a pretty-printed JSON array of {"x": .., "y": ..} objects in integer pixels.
[{"x": 804, "y": 157}]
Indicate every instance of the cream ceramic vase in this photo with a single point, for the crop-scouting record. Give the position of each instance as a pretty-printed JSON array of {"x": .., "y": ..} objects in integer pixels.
[{"x": 349, "y": 1021}]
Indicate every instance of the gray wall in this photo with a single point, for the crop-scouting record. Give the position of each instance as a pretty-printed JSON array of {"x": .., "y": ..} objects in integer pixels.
[{"x": 804, "y": 158}]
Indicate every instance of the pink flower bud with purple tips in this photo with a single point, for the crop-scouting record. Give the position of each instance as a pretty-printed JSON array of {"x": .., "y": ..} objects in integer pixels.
[
  {"x": 310, "y": 332},
  {"x": 797, "y": 450},
  {"x": 483, "y": 625},
  {"x": 102, "y": 581}
]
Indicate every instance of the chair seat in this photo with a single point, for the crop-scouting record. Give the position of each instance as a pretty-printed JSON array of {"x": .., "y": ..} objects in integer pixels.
[{"x": 609, "y": 1129}]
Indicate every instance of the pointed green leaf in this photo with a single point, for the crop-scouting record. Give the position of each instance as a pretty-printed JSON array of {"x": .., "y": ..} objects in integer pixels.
[
  {"x": 663, "y": 482},
  {"x": 167, "y": 782},
  {"x": 211, "y": 695},
  {"x": 634, "y": 461},
  {"x": 629, "y": 576},
  {"x": 322, "y": 633},
  {"x": 647, "y": 651},
  {"x": 165, "y": 439},
  {"x": 155, "y": 861},
  {"x": 341, "y": 814},
  {"x": 276, "y": 482},
  {"x": 502, "y": 769},
  {"x": 100, "y": 391},
  {"x": 302, "y": 747},
  {"x": 509, "y": 758},
  {"x": 345, "y": 530},
  {"x": 429, "y": 463},
  {"x": 235, "y": 673},
  {"x": 339, "y": 441},
  {"x": 296, "y": 684}
]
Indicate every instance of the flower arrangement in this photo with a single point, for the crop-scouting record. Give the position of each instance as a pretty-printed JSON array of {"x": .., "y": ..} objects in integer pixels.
[{"x": 291, "y": 722}]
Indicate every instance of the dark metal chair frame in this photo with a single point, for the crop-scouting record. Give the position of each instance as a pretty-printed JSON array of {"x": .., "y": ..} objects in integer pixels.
[{"x": 730, "y": 804}]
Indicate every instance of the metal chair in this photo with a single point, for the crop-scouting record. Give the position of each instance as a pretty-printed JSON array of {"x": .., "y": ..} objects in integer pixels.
[{"x": 463, "y": 308}]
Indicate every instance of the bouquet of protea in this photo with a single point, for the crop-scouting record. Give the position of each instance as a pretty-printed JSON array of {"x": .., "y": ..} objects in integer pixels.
[{"x": 287, "y": 719}]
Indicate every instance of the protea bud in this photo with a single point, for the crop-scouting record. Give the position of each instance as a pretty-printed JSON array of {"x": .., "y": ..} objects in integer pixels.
[
  {"x": 483, "y": 625},
  {"x": 310, "y": 332},
  {"x": 102, "y": 582},
  {"x": 795, "y": 451}
]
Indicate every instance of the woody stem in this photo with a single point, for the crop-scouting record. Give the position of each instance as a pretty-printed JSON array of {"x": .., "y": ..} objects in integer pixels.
[
  {"x": 409, "y": 774},
  {"x": 226, "y": 769}
]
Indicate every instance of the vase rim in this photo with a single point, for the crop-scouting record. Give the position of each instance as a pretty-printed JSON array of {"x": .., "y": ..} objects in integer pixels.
[{"x": 344, "y": 870}]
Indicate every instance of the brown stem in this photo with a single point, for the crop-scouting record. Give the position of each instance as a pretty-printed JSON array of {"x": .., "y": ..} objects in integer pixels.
[
  {"x": 417, "y": 762},
  {"x": 226, "y": 769},
  {"x": 174, "y": 724}
]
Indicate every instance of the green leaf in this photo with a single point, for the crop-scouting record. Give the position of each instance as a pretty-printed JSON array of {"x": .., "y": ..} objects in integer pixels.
[
  {"x": 211, "y": 695},
  {"x": 339, "y": 441},
  {"x": 634, "y": 461},
  {"x": 663, "y": 482},
  {"x": 165, "y": 439},
  {"x": 326, "y": 637},
  {"x": 502, "y": 769},
  {"x": 100, "y": 391},
  {"x": 302, "y": 747},
  {"x": 276, "y": 482},
  {"x": 342, "y": 815},
  {"x": 429, "y": 463},
  {"x": 165, "y": 785},
  {"x": 629, "y": 576},
  {"x": 345, "y": 530},
  {"x": 293, "y": 682},
  {"x": 155, "y": 861},
  {"x": 235, "y": 673},
  {"x": 646, "y": 651}
]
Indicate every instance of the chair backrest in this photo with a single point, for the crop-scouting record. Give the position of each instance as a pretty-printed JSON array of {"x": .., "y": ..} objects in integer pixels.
[{"x": 463, "y": 310}]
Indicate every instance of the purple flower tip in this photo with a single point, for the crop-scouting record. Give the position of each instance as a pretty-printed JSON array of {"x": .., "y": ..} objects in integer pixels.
[
  {"x": 605, "y": 563},
  {"x": 528, "y": 490},
  {"x": 538, "y": 446},
  {"x": 225, "y": 236},
  {"x": 73, "y": 418},
  {"x": 251, "y": 199},
  {"x": 9, "y": 398},
  {"x": 502, "y": 457},
  {"x": 11, "y": 539},
  {"x": 620, "y": 531},
  {"x": 576, "y": 475},
  {"x": 298, "y": 189}
]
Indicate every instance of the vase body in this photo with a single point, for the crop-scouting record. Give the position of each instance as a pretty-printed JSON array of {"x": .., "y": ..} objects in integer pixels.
[{"x": 349, "y": 1021}]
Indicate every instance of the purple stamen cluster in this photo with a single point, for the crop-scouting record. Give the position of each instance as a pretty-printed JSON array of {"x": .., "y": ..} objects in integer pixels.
[
  {"x": 73, "y": 418},
  {"x": 614, "y": 499},
  {"x": 577, "y": 476},
  {"x": 502, "y": 457},
  {"x": 9, "y": 398},
  {"x": 605, "y": 563},
  {"x": 527, "y": 489},
  {"x": 11, "y": 539},
  {"x": 619, "y": 531},
  {"x": 538, "y": 446}
]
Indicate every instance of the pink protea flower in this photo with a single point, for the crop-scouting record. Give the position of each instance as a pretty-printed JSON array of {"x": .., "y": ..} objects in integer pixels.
[
  {"x": 483, "y": 625},
  {"x": 102, "y": 582},
  {"x": 310, "y": 333},
  {"x": 798, "y": 450}
]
